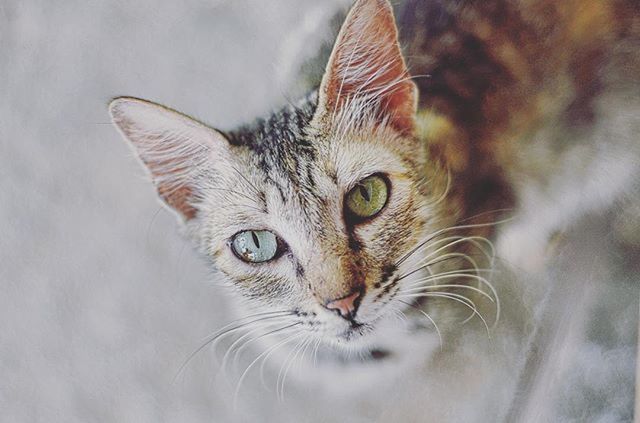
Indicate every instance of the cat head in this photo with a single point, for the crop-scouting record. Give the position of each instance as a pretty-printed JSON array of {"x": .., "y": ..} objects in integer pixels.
[{"x": 314, "y": 210}]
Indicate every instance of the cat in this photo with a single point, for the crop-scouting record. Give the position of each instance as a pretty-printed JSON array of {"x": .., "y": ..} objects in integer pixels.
[{"x": 365, "y": 218}]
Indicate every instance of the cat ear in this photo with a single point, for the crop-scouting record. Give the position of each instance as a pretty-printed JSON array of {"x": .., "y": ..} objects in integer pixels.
[
  {"x": 366, "y": 72},
  {"x": 172, "y": 146}
]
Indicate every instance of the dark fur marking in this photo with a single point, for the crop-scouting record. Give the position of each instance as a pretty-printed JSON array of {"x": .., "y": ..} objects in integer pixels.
[
  {"x": 280, "y": 145},
  {"x": 354, "y": 243},
  {"x": 387, "y": 271},
  {"x": 377, "y": 354},
  {"x": 386, "y": 290},
  {"x": 300, "y": 270}
]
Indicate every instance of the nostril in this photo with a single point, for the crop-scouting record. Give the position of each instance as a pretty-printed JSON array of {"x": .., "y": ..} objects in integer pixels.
[{"x": 346, "y": 306}]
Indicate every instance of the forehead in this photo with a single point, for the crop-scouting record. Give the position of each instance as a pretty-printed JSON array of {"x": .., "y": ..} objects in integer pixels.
[
  {"x": 277, "y": 146},
  {"x": 297, "y": 171},
  {"x": 285, "y": 150}
]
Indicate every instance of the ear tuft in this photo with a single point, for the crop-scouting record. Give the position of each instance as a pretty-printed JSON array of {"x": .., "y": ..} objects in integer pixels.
[
  {"x": 173, "y": 147},
  {"x": 366, "y": 73}
]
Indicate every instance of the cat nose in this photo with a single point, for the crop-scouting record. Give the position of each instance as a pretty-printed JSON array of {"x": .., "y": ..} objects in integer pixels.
[{"x": 346, "y": 306}]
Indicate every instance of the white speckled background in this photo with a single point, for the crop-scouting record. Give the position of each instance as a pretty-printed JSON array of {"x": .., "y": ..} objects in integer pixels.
[{"x": 101, "y": 298}]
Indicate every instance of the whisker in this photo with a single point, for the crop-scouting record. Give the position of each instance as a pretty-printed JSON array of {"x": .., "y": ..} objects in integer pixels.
[
  {"x": 455, "y": 297},
  {"x": 268, "y": 325},
  {"x": 315, "y": 352},
  {"x": 251, "y": 316},
  {"x": 453, "y": 256},
  {"x": 263, "y": 365},
  {"x": 477, "y": 277},
  {"x": 428, "y": 317},
  {"x": 451, "y": 295},
  {"x": 249, "y": 183},
  {"x": 416, "y": 270},
  {"x": 446, "y": 189},
  {"x": 231, "y": 347},
  {"x": 300, "y": 351},
  {"x": 441, "y": 259},
  {"x": 475, "y": 216},
  {"x": 448, "y": 256},
  {"x": 436, "y": 242},
  {"x": 450, "y": 228},
  {"x": 265, "y": 352},
  {"x": 476, "y": 271},
  {"x": 285, "y": 363},
  {"x": 463, "y": 273},
  {"x": 401, "y": 315},
  {"x": 229, "y": 329},
  {"x": 455, "y": 240},
  {"x": 472, "y": 288},
  {"x": 271, "y": 332}
]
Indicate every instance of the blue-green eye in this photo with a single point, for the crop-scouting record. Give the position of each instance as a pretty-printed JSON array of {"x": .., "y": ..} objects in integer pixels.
[{"x": 255, "y": 246}]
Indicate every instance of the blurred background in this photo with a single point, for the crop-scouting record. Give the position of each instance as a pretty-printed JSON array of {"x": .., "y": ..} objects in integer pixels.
[{"x": 101, "y": 298}]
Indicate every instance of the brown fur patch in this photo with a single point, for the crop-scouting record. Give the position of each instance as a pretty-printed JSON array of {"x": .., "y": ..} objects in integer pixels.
[{"x": 497, "y": 71}]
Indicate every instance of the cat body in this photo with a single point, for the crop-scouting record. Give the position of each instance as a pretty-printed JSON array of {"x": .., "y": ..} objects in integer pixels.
[
  {"x": 363, "y": 221},
  {"x": 531, "y": 99}
]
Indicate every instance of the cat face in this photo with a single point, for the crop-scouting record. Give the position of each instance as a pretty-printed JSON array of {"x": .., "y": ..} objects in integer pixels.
[
  {"x": 312, "y": 212},
  {"x": 290, "y": 211}
]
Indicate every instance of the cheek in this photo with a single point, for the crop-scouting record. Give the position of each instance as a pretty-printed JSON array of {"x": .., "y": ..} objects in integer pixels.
[{"x": 272, "y": 283}]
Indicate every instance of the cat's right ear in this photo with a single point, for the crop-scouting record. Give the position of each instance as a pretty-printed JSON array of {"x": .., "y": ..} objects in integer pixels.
[{"x": 172, "y": 146}]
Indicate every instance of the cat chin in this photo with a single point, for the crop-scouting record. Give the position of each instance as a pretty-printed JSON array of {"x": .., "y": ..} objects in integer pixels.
[
  {"x": 352, "y": 343},
  {"x": 381, "y": 356},
  {"x": 384, "y": 334}
]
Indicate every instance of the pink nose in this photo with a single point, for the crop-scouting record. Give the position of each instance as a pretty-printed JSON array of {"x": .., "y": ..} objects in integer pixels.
[{"x": 347, "y": 306}]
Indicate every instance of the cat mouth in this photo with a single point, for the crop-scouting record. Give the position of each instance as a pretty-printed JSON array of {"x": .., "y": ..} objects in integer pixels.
[
  {"x": 359, "y": 329},
  {"x": 355, "y": 331}
]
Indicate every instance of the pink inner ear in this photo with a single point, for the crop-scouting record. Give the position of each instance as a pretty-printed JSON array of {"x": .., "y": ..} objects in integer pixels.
[
  {"x": 366, "y": 66},
  {"x": 170, "y": 175},
  {"x": 173, "y": 147},
  {"x": 171, "y": 158},
  {"x": 179, "y": 199}
]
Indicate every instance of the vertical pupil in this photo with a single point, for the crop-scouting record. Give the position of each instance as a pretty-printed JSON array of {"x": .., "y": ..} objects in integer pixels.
[
  {"x": 364, "y": 192},
  {"x": 255, "y": 239}
]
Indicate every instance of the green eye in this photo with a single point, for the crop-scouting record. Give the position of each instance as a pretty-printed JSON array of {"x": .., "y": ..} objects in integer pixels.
[
  {"x": 255, "y": 246},
  {"x": 368, "y": 197}
]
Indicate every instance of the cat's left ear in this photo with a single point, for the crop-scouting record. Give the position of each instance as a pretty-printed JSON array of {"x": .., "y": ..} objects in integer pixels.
[
  {"x": 173, "y": 147},
  {"x": 366, "y": 74}
]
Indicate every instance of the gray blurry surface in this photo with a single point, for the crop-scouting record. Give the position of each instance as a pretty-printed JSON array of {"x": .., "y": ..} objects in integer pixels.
[{"x": 102, "y": 299}]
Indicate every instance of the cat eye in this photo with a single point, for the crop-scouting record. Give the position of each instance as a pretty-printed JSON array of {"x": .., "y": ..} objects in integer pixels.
[
  {"x": 368, "y": 197},
  {"x": 255, "y": 246}
]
